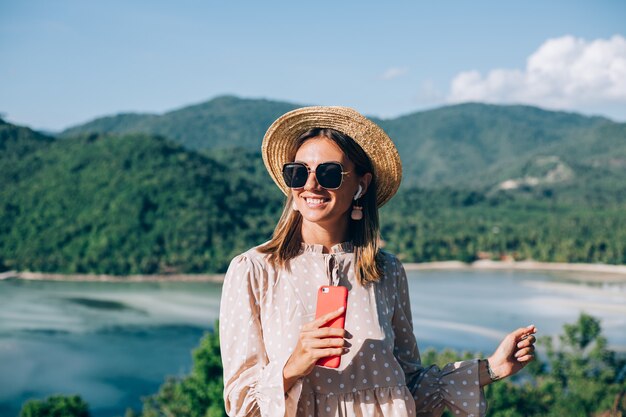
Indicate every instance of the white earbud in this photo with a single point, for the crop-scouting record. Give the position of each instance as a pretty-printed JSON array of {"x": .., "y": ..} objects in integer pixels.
[{"x": 358, "y": 193}]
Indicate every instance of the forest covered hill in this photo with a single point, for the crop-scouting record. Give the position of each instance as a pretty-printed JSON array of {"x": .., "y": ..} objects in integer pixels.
[
  {"x": 472, "y": 144},
  {"x": 139, "y": 203},
  {"x": 121, "y": 204}
]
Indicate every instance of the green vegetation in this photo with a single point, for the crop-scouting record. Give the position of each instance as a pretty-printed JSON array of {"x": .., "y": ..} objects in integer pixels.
[
  {"x": 128, "y": 204},
  {"x": 579, "y": 377},
  {"x": 481, "y": 145},
  {"x": 134, "y": 203},
  {"x": 427, "y": 225},
  {"x": 475, "y": 145},
  {"x": 17, "y": 142},
  {"x": 56, "y": 406}
]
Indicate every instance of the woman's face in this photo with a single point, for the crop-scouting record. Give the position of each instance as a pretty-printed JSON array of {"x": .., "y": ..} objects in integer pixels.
[{"x": 318, "y": 205}]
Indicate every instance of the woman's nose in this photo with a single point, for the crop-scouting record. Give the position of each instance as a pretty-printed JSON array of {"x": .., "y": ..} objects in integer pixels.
[{"x": 311, "y": 181}]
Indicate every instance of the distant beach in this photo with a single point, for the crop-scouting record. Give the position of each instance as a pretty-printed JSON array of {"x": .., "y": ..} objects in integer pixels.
[
  {"x": 45, "y": 276},
  {"x": 602, "y": 272}
]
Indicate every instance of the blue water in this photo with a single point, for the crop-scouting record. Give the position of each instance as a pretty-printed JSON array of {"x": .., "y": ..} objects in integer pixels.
[{"x": 113, "y": 343}]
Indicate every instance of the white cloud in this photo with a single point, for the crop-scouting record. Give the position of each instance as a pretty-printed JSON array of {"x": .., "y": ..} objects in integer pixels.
[
  {"x": 564, "y": 73},
  {"x": 394, "y": 72}
]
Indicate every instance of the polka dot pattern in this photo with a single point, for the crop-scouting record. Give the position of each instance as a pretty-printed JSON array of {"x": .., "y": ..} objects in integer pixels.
[{"x": 262, "y": 313}]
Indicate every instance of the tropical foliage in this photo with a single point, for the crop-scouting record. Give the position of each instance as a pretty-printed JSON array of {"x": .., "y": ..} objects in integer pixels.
[
  {"x": 143, "y": 204},
  {"x": 428, "y": 225},
  {"x": 128, "y": 204},
  {"x": 56, "y": 406}
]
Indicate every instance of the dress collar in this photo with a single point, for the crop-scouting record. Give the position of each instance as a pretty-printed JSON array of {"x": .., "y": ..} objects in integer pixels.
[{"x": 344, "y": 247}]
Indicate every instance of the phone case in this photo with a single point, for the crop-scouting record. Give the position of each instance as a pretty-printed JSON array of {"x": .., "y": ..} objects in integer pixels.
[{"x": 330, "y": 298}]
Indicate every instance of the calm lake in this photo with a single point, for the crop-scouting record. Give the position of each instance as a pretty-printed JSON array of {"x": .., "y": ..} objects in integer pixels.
[{"x": 113, "y": 343}]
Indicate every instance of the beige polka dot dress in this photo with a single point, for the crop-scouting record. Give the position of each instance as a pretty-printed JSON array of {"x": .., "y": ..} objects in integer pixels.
[{"x": 262, "y": 311}]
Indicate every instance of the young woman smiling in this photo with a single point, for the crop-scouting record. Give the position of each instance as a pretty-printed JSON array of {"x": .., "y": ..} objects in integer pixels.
[{"x": 337, "y": 168}]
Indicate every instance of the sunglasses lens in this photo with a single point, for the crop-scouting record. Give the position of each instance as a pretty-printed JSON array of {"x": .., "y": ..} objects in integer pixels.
[
  {"x": 295, "y": 175},
  {"x": 329, "y": 175}
]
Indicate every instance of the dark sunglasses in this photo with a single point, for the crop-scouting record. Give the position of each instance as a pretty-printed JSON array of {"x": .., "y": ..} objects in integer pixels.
[{"x": 328, "y": 174}]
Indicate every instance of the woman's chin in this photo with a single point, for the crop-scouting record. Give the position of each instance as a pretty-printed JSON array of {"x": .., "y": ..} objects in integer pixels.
[
  {"x": 315, "y": 216},
  {"x": 322, "y": 217}
]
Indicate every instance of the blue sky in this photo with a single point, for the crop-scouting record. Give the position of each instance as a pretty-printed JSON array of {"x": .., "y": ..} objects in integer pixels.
[{"x": 64, "y": 62}]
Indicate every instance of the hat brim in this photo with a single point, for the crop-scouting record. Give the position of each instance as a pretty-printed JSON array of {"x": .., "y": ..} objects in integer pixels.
[{"x": 279, "y": 144}]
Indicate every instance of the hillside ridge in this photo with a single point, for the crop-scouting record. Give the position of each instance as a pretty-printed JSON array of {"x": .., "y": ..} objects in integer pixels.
[{"x": 468, "y": 144}]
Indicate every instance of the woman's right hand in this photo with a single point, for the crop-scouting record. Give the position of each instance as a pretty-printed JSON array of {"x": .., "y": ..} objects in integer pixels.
[{"x": 314, "y": 342}]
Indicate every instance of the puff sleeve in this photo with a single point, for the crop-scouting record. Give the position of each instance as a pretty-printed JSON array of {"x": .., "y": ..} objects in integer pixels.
[
  {"x": 456, "y": 386},
  {"x": 253, "y": 385}
]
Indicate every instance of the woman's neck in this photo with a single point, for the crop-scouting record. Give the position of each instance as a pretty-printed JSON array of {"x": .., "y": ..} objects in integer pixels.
[{"x": 314, "y": 233}]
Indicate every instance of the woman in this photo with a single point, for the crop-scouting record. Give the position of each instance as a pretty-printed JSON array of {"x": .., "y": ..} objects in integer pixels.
[{"x": 337, "y": 168}]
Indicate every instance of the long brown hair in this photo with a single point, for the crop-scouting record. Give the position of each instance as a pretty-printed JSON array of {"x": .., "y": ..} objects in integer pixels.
[{"x": 286, "y": 242}]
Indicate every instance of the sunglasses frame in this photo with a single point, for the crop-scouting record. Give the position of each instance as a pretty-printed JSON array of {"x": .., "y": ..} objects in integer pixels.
[{"x": 309, "y": 171}]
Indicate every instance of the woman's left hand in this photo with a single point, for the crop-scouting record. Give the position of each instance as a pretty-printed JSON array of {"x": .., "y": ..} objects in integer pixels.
[{"x": 515, "y": 351}]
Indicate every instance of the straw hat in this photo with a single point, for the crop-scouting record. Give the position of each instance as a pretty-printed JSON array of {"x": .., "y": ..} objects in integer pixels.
[{"x": 278, "y": 144}]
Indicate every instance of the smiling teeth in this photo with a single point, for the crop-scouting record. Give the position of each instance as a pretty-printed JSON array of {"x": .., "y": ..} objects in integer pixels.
[{"x": 315, "y": 200}]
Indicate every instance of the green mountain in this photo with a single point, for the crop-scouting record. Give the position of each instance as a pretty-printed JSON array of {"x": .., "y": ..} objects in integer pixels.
[
  {"x": 223, "y": 122},
  {"x": 480, "y": 144},
  {"x": 476, "y": 145},
  {"x": 126, "y": 204},
  {"x": 133, "y": 203},
  {"x": 17, "y": 142}
]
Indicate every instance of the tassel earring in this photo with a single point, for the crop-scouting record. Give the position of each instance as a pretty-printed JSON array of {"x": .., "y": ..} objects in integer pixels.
[{"x": 357, "y": 211}]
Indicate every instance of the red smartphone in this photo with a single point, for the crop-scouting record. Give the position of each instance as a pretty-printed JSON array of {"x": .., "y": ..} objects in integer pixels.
[{"x": 330, "y": 298}]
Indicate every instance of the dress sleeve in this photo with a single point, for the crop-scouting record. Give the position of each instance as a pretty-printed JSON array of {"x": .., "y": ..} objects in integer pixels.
[
  {"x": 456, "y": 386},
  {"x": 253, "y": 385}
]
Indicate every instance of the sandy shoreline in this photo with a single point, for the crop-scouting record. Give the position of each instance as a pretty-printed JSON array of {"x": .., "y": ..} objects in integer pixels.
[
  {"x": 44, "y": 276},
  {"x": 577, "y": 270}
]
